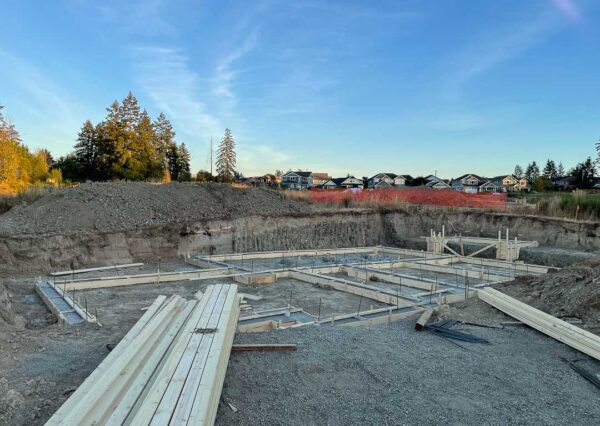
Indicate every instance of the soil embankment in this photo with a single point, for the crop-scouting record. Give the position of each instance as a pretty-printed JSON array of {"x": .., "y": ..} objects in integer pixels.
[{"x": 98, "y": 224}]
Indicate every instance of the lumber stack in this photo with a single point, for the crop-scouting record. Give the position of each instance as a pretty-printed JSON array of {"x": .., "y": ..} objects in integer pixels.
[
  {"x": 560, "y": 330},
  {"x": 168, "y": 369}
]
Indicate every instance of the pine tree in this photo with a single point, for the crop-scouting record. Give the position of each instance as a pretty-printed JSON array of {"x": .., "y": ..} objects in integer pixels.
[
  {"x": 550, "y": 170},
  {"x": 183, "y": 164},
  {"x": 173, "y": 161},
  {"x": 518, "y": 172},
  {"x": 86, "y": 151},
  {"x": 532, "y": 172},
  {"x": 561, "y": 170},
  {"x": 164, "y": 138},
  {"x": 226, "y": 158}
]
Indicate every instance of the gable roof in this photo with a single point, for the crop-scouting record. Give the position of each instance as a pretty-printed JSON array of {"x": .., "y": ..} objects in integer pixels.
[
  {"x": 320, "y": 176},
  {"x": 299, "y": 173},
  {"x": 390, "y": 175}
]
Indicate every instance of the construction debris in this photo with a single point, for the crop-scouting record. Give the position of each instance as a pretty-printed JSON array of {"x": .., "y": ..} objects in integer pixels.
[
  {"x": 163, "y": 371},
  {"x": 443, "y": 329},
  {"x": 422, "y": 321}
]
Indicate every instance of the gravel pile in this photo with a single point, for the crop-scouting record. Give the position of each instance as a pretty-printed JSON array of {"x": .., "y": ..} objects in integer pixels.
[
  {"x": 113, "y": 207},
  {"x": 392, "y": 375},
  {"x": 572, "y": 292}
]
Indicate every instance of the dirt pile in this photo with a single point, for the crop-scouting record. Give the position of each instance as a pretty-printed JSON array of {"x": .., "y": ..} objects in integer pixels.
[
  {"x": 573, "y": 292},
  {"x": 114, "y": 207}
]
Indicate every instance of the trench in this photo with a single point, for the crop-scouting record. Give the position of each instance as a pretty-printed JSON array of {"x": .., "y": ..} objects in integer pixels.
[{"x": 558, "y": 238}]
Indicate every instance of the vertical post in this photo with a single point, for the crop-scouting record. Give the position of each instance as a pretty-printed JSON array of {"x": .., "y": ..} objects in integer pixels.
[
  {"x": 359, "y": 303},
  {"x": 319, "y": 314}
]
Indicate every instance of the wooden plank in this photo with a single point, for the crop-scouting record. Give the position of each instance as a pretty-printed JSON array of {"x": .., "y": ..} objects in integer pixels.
[
  {"x": 263, "y": 347},
  {"x": 560, "y": 330},
  {"x": 285, "y": 254},
  {"x": 100, "y": 268},
  {"x": 88, "y": 407},
  {"x": 383, "y": 319},
  {"x": 422, "y": 321}
]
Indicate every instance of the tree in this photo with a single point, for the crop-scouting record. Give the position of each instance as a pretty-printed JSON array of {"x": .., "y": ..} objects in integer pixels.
[
  {"x": 532, "y": 172},
  {"x": 173, "y": 161},
  {"x": 518, "y": 172},
  {"x": 584, "y": 174},
  {"x": 183, "y": 164},
  {"x": 204, "y": 176},
  {"x": 164, "y": 137},
  {"x": 87, "y": 151},
  {"x": 560, "y": 170},
  {"x": 226, "y": 158},
  {"x": 550, "y": 171}
]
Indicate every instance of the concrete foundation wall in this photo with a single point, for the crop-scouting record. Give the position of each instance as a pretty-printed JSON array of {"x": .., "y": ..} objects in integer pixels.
[{"x": 326, "y": 230}]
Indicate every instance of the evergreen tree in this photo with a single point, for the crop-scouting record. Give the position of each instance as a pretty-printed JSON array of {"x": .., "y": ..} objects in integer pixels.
[
  {"x": 584, "y": 173},
  {"x": 550, "y": 171},
  {"x": 518, "y": 172},
  {"x": 149, "y": 166},
  {"x": 173, "y": 162},
  {"x": 226, "y": 158},
  {"x": 532, "y": 172},
  {"x": 86, "y": 151},
  {"x": 164, "y": 137},
  {"x": 560, "y": 170},
  {"x": 183, "y": 164}
]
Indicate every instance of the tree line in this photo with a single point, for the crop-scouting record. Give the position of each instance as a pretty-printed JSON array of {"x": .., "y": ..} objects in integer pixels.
[
  {"x": 127, "y": 145},
  {"x": 583, "y": 174}
]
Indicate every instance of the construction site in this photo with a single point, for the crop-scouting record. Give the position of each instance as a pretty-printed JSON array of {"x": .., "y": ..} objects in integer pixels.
[{"x": 132, "y": 303}]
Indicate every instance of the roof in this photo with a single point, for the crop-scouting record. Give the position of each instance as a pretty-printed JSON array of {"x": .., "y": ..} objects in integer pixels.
[
  {"x": 299, "y": 173},
  {"x": 390, "y": 175},
  {"x": 407, "y": 177},
  {"x": 320, "y": 176},
  {"x": 470, "y": 174}
]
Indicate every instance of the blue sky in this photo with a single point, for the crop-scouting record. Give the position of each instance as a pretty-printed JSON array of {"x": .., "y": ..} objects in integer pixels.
[{"x": 413, "y": 86}]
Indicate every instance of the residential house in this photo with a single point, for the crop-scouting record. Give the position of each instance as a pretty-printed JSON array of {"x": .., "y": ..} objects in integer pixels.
[
  {"x": 491, "y": 186},
  {"x": 265, "y": 180},
  {"x": 296, "y": 180},
  {"x": 403, "y": 180},
  {"x": 381, "y": 177},
  {"x": 565, "y": 183},
  {"x": 437, "y": 184},
  {"x": 508, "y": 182},
  {"x": 348, "y": 182},
  {"x": 383, "y": 184},
  {"x": 522, "y": 185},
  {"x": 468, "y": 183},
  {"x": 320, "y": 179},
  {"x": 431, "y": 178}
]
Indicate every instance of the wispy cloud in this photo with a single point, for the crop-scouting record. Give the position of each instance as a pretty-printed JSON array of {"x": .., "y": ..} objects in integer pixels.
[
  {"x": 45, "y": 103},
  {"x": 164, "y": 74},
  {"x": 569, "y": 9}
]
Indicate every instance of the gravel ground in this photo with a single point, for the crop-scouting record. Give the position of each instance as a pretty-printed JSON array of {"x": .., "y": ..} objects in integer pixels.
[
  {"x": 393, "y": 375},
  {"x": 113, "y": 207}
]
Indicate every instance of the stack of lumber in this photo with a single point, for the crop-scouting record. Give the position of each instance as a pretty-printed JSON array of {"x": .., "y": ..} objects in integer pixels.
[
  {"x": 168, "y": 369},
  {"x": 560, "y": 330}
]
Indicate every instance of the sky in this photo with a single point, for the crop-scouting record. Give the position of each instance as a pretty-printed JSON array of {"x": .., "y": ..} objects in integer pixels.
[{"x": 344, "y": 87}]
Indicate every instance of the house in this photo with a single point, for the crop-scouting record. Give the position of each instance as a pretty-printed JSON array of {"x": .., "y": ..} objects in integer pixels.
[
  {"x": 348, "y": 182},
  {"x": 522, "y": 185},
  {"x": 491, "y": 186},
  {"x": 430, "y": 178},
  {"x": 383, "y": 184},
  {"x": 330, "y": 184},
  {"x": 320, "y": 179},
  {"x": 403, "y": 180},
  {"x": 265, "y": 180},
  {"x": 508, "y": 182},
  {"x": 296, "y": 180},
  {"x": 381, "y": 177},
  {"x": 468, "y": 183},
  {"x": 565, "y": 183},
  {"x": 437, "y": 184}
]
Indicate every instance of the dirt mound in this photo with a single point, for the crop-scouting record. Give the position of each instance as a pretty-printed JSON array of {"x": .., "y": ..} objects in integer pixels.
[
  {"x": 573, "y": 292},
  {"x": 114, "y": 207}
]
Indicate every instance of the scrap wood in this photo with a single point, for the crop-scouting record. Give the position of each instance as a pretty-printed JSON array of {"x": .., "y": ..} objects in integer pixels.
[
  {"x": 422, "y": 321},
  {"x": 291, "y": 347},
  {"x": 250, "y": 297}
]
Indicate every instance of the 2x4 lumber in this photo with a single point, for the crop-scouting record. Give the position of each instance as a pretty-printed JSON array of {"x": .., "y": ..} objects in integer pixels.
[
  {"x": 483, "y": 274},
  {"x": 392, "y": 279},
  {"x": 512, "y": 266},
  {"x": 85, "y": 315},
  {"x": 89, "y": 383},
  {"x": 99, "y": 268},
  {"x": 170, "y": 398},
  {"x": 130, "y": 395},
  {"x": 146, "y": 406},
  {"x": 481, "y": 250},
  {"x": 560, "y": 330},
  {"x": 263, "y": 347},
  {"x": 88, "y": 407},
  {"x": 382, "y": 319},
  {"x": 53, "y": 308},
  {"x": 423, "y": 319}
]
